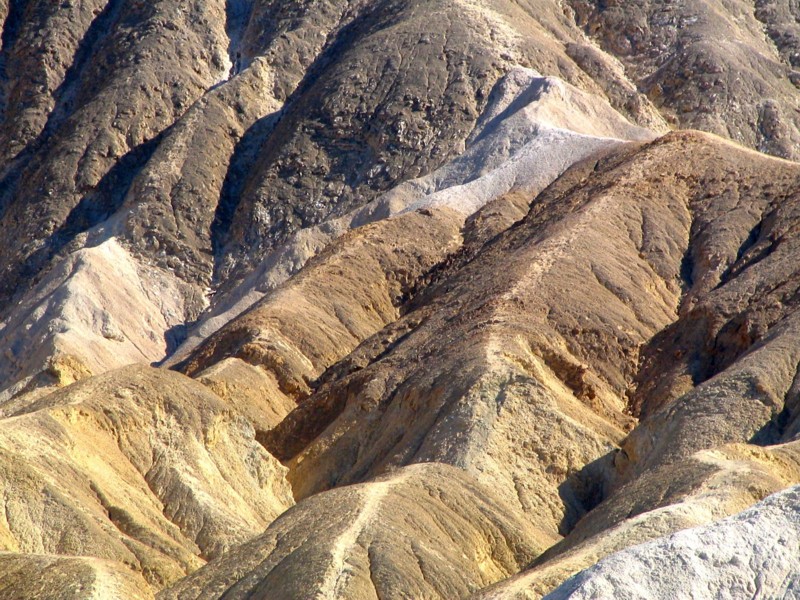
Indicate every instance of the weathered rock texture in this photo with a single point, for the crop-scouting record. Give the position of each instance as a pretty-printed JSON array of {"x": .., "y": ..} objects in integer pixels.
[
  {"x": 724, "y": 67},
  {"x": 513, "y": 340},
  {"x": 76, "y": 322},
  {"x": 532, "y": 129},
  {"x": 141, "y": 466},
  {"x": 438, "y": 269},
  {"x": 36, "y": 577},
  {"x": 751, "y": 554},
  {"x": 706, "y": 487},
  {"x": 426, "y": 531}
]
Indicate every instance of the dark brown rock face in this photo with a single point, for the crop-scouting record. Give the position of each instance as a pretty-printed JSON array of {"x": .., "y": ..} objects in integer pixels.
[
  {"x": 613, "y": 245},
  {"x": 708, "y": 65}
]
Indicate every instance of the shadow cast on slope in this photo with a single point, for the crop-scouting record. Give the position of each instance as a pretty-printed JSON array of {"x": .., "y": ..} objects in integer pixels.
[
  {"x": 92, "y": 210},
  {"x": 584, "y": 490},
  {"x": 64, "y": 97},
  {"x": 237, "y": 17},
  {"x": 244, "y": 158},
  {"x": 10, "y": 33}
]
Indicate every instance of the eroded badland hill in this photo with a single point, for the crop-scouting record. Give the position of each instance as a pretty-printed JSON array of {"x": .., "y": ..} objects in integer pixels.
[{"x": 377, "y": 299}]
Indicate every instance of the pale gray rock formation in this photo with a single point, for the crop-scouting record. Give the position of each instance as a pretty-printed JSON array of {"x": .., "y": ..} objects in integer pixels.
[
  {"x": 753, "y": 554},
  {"x": 97, "y": 310}
]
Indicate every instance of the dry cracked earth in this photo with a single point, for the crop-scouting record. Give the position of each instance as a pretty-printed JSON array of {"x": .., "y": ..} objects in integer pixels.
[{"x": 399, "y": 299}]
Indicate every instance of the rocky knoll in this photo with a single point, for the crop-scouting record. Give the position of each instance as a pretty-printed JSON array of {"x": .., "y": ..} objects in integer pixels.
[
  {"x": 413, "y": 414},
  {"x": 140, "y": 466},
  {"x": 374, "y": 258},
  {"x": 182, "y": 152},
  {"x": 617, "y": 230},
  {"x": 429, "y": 530},
  {"x": 35, "y": 577},
  {"x": 724, "y": 67}
]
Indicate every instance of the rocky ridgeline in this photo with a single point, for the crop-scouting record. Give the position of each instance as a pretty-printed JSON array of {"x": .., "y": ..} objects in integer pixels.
[{"x": 430, "y": 299}]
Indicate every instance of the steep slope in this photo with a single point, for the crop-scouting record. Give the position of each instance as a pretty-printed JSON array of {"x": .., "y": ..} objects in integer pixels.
[
  {"x": 426, "y": 531},
  {"x": 487, "y": 405},
  {"x": 607, "y": 240},
  {"x": 532, "y": 129},
  {"x": 727, "y": 67},
  {"x": 121, "y": 93},
  {"x": 704, "y": 488},
  {"x": 659, "y": 482},
  {"x": 350, "y": 292},
  {"x": 41, "y": 43},
  {"x": 750, "y": 554},
  {"x": 247, "y": 124},
  {"x": 207, "y": 143},
  {"x": 180, "y": 153},
  {"x": 424, "y": 266},
  {"x": 88, "y": 579},
  {"x": 75, "y": 317},
  {"x": 140, "y": 466},
  {"x": 307, "y": 324},
  {"x": 393, "y": 102},
  {"x": 664, "y": 224}
]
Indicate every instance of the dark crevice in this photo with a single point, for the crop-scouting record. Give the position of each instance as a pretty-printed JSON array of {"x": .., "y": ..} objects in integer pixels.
[
  {"x": 110, "y": 193},
  {"x": 9, "y": 181},
  {"x": 752, "y": 239},
  {"x": 302, "y": 425},
  {"x": 757, "y": 255},
  {"x": 11, "y": 26},
  {"x": 237, "y": 16},
  {"x": 772, "y": 432},
  {"x": 253, "y": 151},
  {"x": 101, "y": 28},
  {"x": 244, "y": 158},
  {"x": 64, "y": 97},
  {"x": 783, "y": 424},
  {"x": 699, "y": 367},
  {"x": 174, "y": 337},
  {"x": 584, "y": 490},
  {"x": 93, "y": 209},
  {"x": 687, "y": 269}
]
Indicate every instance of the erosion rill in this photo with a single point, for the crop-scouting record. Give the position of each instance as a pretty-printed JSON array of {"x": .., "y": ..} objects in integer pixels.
[{"x": 430, "y": 299}]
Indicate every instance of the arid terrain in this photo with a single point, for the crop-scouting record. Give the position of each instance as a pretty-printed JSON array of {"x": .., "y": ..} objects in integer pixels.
[{"x": 399, "y": 299}]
